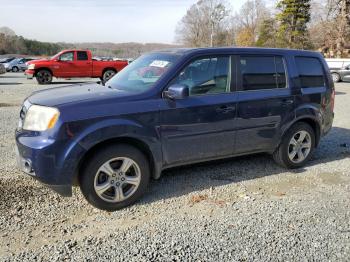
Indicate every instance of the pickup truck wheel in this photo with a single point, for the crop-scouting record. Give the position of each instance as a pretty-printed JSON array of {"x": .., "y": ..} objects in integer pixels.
[
  {"x": 115, "y": 177},
  {"x": 336, "y": 77},
  {"x": 15, "y": 69},
  {"x": 43, "y": 77},
  {"x": 296, "y": 147},
  {"x": 108, "y": 74}
]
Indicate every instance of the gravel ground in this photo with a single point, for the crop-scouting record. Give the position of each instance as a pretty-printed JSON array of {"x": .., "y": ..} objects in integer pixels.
[{"x": 242, "y": 209}]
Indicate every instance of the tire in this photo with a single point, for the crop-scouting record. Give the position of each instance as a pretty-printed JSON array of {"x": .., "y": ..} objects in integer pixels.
[
  {"x": 336, "y": 77},
  {"x": 15, "y": 69},
  {"x": 103, "y": 173},
  {"x": 43, "y": 77},
  {"x": 108, "y": 74},
  {"x": 302, "y": 149}
]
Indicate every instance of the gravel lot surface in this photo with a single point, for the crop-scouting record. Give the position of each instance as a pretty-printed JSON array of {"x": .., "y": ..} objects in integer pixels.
[{"x": 241, "y": 209}]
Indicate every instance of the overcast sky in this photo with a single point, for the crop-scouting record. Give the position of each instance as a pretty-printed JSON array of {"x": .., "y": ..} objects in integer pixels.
[{"x": 96, "y": 20}]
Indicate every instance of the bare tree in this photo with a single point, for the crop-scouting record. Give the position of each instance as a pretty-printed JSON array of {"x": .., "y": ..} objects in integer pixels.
[
  {"x": 204, "y": 24},
  {"x": 330, "y": 27},
  {"x": 249, "y": 18}
]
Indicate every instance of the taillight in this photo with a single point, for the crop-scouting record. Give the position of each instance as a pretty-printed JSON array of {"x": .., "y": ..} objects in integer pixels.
[{"x": 333, "y": 99}]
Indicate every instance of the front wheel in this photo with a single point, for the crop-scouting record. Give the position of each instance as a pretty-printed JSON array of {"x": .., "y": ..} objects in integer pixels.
[
  {"x": 15, "y": 69},
  {"x": 296, "y": 147},
  {"x": 115, "y": 177},
  {"x": 43, "y": 77}
]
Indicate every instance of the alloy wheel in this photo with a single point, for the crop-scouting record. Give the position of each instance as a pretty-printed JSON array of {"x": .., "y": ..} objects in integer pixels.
[
  {"x": 43, "y": 76},
  {"x": 117, "y": 179},
  {"x": 335, "y": 77},
  {"x": 299, "y": 146}
]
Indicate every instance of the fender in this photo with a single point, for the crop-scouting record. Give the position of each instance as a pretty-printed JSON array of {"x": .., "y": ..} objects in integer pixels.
[
  {"x": 307, "y": 113},
  {"x": 102, "y": 131},
  {"x": 43, "y": 68}
]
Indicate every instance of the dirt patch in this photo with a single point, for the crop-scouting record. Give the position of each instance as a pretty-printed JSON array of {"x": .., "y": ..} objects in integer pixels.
[
  {"x": 332, "y": 178},
  {"x": 8, "y": 104},
  {"x": 198, "y": 198}
]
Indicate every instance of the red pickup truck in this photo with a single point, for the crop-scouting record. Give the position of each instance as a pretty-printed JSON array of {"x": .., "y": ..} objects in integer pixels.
[{"x": 70, "y": 64}]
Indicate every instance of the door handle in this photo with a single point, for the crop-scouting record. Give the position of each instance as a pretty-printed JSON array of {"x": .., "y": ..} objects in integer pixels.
[
  {"x": 286, "y": 102},
  {"x": 225, "y": 109}
]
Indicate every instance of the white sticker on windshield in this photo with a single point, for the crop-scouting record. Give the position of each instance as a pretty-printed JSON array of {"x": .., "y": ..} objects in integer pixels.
[{"x": 159, "y": 63}]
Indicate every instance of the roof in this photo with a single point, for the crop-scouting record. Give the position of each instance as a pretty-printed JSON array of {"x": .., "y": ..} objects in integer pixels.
[{"x": 237, "y": 49}]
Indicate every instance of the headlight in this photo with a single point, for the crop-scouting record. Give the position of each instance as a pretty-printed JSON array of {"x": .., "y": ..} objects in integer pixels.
[
  {"x": 6, "y": 65},
  {"x": 31, "y": 66},
  {"x": 40, "y": 118}
]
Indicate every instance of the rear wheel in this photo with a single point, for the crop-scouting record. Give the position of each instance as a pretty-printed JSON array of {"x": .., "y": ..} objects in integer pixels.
[
  {"x": 296, "y": 147},
  {"x": 336, "y": 77},
  {"x": 43, "y": 77},
  {"x": 108, "y": 74},
  {"x": 15, "y": 69},
  {"x": 115, "y": 177}
]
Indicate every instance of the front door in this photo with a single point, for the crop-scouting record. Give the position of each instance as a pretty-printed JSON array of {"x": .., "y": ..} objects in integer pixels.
[
  {"x": 265, "y": 102},
  {"x": 65, "y": 67},
  {"x": 200, "y": 126}
]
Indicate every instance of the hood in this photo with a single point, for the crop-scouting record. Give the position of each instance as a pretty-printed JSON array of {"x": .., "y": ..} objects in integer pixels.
[
  {"x": 38, "y": 61},
  {"x": 74, "y": 93}
]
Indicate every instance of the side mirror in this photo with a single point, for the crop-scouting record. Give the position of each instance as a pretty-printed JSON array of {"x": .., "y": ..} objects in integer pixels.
[{"x": 177, "y": 92}]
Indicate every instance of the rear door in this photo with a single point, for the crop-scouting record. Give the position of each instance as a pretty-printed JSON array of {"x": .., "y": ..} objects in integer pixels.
[
  {"x": 265, "y": 102},
  {"x": 83, "y": 64}
]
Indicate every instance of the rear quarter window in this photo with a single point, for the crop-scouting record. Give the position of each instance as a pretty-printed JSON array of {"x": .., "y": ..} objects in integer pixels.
[{"x": 311, "y": 73}]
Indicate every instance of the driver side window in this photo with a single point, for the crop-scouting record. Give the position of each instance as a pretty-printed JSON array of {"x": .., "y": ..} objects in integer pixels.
[
  {"x": 67, "y": 56},
  {"x": 210, "y": 75}
]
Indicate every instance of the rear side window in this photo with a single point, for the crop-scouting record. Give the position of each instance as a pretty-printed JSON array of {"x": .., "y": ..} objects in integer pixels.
[
  {"x": 310, "y": 72},
  {"x": 81, "y": 55},
  {"x": 262, "y": 72}
]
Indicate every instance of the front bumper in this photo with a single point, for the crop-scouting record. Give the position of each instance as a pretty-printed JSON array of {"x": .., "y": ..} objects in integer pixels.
[
  {"x": 25, "y": 165},
  {"x": 40, "y": 158},
  {"x": 29, "y": 73}
]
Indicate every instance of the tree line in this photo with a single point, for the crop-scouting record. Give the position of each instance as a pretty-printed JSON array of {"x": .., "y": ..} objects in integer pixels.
[
  {"x": 10, "y": 43},
  {"x": 13, "y": 44},
  {"x": 322, "y": 25}
]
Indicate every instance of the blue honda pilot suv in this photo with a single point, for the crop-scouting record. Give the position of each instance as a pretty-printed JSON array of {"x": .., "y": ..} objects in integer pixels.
[{"x": 172, "y": 108}]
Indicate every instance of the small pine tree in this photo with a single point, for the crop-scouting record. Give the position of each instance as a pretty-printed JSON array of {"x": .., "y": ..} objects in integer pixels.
[
  {"x": 293, "y": 19},
  {"x": 267, "y": 33}
]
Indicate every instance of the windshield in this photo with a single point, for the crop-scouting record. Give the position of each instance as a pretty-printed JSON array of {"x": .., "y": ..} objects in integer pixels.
[{"x": 143, "y": 73}]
